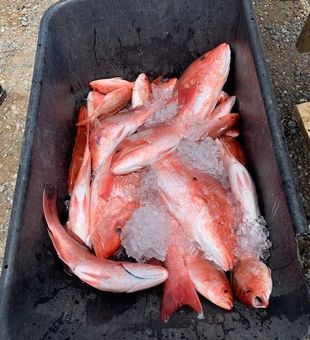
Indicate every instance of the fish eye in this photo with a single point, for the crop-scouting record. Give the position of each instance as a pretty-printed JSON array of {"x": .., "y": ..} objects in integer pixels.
[
  {"x": 118, "y": 230},
  {"x": 225, "y": 291},
  {"x": 247, "y": 291}
]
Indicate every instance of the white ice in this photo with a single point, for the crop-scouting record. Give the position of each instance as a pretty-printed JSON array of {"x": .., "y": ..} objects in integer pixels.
[
  {"x": 162, "y": 115},
  {"x": 252, "y": 238},
  {"x": 203, "y": 156},
  {"x": 146, "y": 234}
]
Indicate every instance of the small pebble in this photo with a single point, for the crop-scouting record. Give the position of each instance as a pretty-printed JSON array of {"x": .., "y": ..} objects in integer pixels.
[{"x": 291, "y": 124}]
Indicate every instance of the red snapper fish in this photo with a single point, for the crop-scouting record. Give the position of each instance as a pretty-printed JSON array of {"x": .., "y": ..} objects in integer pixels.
[
  {"x": 199, "y": 89},
  {"x": 209, "y": 280},
  {"x": 105, "y": 275},
  {"x": 113, "y": 213},
  {"x": 179, "y": 289},
  {"x": 78, "y": 151},
  {"x": 252, "y": 282},
  {"x": 144, "y": 148},
  {"x": 202, "y": 215},
  {"x": 79, "y": 209},
  {"x": 142, "y": 91},
  {"x": 107, "y": 85}
]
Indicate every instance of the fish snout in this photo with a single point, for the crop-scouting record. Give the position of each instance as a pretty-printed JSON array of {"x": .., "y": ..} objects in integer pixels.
[
  {"x": 260, "y": 301},
  {"x": 145, "y": 275},
  {"x": 226, "y": 303}
]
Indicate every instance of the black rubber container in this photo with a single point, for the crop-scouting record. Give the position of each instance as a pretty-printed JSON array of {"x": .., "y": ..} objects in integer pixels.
[{"x": 82, "y": 40}]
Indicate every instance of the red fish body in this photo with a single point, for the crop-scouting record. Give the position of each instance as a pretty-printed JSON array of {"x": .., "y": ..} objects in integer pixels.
[
  {"x": 209, "y": 280},
  {"x": 145, "y": 148},
  {"x": 199, "y": 89},
  {"x": 179, "y": 289},
  {"x": 113, "y": 213},
  {"x": 78, "y": 151},
  {"x": 79, "y": 209},
  {"x": 142, "y": 91},
  {"x": 94, "y": 100},
  {"x": 106, "y": 135},
  {"x": 252, "y": 282},
  {"x": 113, "y": 102},
  {"x": 235, "y": 148},
  {"x": 200, "y": 214},
  {"x": 105, "y": 86},
  {"x": 105, "y": 275},
  {"x": 251, "y": 278}
]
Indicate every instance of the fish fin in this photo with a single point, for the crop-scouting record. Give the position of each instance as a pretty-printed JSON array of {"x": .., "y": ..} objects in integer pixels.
[
  {"x": 178, "y": 294},
  {"x": 179, "y": 289},
  {"x": 223, "y": 124}
]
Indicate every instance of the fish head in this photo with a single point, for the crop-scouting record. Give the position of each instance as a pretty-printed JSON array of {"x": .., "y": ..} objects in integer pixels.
[
  {"x": 210, "y": 281},
  {"x": 220, "y": 293},
  {"x": 252, "y": 283},
  {"x": 219, "y": 58}
]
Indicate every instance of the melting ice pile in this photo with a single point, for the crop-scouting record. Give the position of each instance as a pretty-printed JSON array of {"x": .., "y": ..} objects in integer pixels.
[
  {"x": 162, "y": 115},
  {"x": 203, "y": 156},
  {"x": 146, "y": 234},
  {"x": 252, "y": 237}
]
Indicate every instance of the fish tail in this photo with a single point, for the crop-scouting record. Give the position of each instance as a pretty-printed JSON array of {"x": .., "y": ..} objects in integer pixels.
[
  {"x": 178, "y": 294},
  {"x": 179, "y": 290}
]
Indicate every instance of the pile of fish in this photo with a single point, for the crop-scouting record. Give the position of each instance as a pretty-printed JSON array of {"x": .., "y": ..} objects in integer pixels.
[{"x": 157, "y": 172}]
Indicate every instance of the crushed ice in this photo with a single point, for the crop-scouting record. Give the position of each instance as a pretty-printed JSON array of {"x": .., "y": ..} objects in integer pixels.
[
  {"x": 164, "y": 114},
  {"x": 252, "y": 238},
  {"x": 146, "y": 234},
  {"x": 203, "y": 156}
]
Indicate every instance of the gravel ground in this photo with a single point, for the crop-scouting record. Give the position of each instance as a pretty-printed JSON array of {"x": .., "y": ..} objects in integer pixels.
[
  {"x": 19, "y": 24},
  {"x": 280, "y": 23}
]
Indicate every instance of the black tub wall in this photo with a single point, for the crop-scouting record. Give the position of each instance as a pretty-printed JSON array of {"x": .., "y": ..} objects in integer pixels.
[
  {"x": 263, "y": 166},
  {"x": 85, "y": 40}
]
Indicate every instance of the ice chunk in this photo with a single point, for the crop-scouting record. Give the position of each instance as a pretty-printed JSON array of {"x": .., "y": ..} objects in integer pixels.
[
  {"x": 164, "y": 114},
  {"x": 146, "y": 234},
  {"x": 148, "y": 191},
  {"x": 203, "y": 156},
  {"x": 252, "y": 238}
]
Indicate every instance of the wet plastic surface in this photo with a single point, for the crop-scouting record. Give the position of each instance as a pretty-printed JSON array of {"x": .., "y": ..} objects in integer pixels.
[{"x": 83, "y": 40}]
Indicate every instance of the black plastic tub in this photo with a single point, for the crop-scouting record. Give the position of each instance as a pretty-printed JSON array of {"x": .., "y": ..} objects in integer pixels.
[{"x": 82, "y": 40}]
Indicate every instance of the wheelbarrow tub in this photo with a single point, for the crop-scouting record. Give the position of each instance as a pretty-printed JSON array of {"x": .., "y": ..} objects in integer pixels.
[{"x": 83, "y": 40}]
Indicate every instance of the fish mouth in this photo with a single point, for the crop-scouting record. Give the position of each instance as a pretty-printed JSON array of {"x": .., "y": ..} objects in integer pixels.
[
  {"x": 226, "y": 304},
  {"x": 260, "y": 301}
]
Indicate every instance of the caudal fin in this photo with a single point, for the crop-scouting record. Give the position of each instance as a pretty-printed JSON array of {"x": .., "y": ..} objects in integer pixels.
[{"x": 179, "y": 290}]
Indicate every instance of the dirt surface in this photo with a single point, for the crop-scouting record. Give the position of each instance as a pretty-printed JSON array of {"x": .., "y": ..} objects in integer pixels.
[
  {"x": 19, "y": 24},
  {"x": 280, "y": 23}
]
